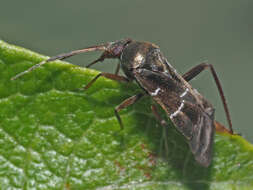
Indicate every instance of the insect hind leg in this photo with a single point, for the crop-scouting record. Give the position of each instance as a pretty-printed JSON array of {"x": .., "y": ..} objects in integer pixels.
[
  {"x": 157, "y": 116},
  {"x": 197, "y": 70},
  {"x": 164, "y": 139}
]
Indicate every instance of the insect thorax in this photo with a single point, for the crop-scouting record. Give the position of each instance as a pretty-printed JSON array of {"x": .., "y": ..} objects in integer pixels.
[{"x": 135, "y": 55}]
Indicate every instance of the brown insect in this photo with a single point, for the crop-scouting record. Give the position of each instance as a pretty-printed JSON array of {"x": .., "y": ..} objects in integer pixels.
[{"x": 143, "y": 62}]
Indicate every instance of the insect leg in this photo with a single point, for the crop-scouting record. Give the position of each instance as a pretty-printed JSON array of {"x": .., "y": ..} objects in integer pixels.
[
  {"x": 198, "y": 69},
  {"x": 220, "y": 128},
  {"x": 164, "y": 124},
  {"x": 117, "y": 69},
  {"x": 101, "y": 58},
  {"x": 106, "y": 75},
  {"x": 124, "y": 104},
  {"x": 157, "y": 116}
]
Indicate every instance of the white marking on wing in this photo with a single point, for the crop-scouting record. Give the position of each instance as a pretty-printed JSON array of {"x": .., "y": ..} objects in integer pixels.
[
  {"x": 184, "y": 93},
  {"x": 178, "y": 110},
  {"x": 156, "y": 92}
]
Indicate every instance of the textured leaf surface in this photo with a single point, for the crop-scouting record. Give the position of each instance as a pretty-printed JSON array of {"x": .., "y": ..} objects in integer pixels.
[{"x": 55, "y": 137}]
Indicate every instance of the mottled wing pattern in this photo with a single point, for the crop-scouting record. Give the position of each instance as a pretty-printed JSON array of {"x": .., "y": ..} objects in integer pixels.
[{"x": 181, "y": 106}]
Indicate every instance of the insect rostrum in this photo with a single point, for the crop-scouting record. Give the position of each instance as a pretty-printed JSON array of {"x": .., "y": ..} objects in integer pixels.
[{"x": 143, "y": 62}]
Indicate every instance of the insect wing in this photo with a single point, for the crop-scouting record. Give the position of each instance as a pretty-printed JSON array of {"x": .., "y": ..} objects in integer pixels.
[{"x": 180, "y": 105}]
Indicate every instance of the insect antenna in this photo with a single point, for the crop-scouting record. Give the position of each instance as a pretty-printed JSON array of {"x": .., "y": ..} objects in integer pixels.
[{"x": 102, "y": 47}]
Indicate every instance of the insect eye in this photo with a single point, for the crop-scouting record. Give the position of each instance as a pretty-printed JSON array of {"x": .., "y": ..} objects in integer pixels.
[{"x": 117, "y": 50}]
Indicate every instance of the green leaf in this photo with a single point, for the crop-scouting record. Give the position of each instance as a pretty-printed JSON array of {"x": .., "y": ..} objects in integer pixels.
[{"x": 55, "y": 137}]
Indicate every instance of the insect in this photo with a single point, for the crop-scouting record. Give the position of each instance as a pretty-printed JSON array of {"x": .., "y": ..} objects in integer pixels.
[{"x": 144, "y": 63}]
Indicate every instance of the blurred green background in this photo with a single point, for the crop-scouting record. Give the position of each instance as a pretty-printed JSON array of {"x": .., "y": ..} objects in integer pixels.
[{"x": 188, "y": 32}]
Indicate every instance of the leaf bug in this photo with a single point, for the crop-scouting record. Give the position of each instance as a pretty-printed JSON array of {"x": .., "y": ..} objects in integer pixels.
[{"x": 143, "y": 62}]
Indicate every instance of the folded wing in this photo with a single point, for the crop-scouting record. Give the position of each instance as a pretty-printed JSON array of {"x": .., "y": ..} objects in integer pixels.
[{"x": 182, "y": 106}]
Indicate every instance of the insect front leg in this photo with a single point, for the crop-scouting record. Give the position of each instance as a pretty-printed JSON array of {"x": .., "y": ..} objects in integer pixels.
[
  {"x": 106, "y": 75},
  {"x": 124, "y": 104},
  {"x": 198, "y": 69},
  {"x": 117, "y": 69}
]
